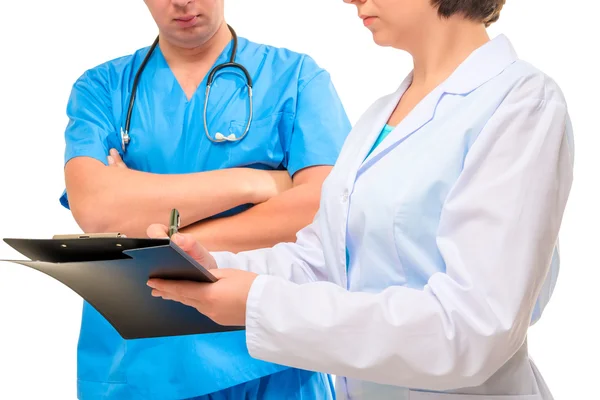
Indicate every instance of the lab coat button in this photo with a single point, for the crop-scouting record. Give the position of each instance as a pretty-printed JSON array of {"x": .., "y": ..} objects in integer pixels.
[{"x": 345, "y": 196}]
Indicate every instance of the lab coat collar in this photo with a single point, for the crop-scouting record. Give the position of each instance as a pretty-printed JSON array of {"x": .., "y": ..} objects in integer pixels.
[
  {"x": 479, "y": 67},
  {"x": 482, "y": 65}
]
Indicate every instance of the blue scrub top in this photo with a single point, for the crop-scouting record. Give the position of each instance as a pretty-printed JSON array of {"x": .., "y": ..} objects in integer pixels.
[{"x": 298, "y": 122}]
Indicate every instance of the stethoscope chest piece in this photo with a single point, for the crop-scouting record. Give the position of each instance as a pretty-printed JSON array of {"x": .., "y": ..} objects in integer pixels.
[{"x": 124, "y": 140}]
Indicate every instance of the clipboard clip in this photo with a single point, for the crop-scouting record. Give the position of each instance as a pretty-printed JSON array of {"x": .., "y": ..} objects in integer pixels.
[
  {"x": 174, "y": 224},
  {"x": 115, "y": 235}
]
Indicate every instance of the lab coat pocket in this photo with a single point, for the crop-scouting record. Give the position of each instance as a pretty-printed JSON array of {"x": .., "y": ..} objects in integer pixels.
[{"x": 417, "y": 395}]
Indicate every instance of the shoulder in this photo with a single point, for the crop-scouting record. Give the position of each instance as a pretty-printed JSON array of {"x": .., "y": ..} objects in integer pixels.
[
  {"x": 533, "y": 99},
  {"x": 527, "y": 83},
  {"x": 527, "y": 107},
  {"x": 282, "y": 62},
  {"x": 109, "y": 72},
  {"x": 538, "y": 97}
]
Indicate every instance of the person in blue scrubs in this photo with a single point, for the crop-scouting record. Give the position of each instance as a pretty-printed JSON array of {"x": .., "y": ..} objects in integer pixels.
[{"x": 234, "y": 196}]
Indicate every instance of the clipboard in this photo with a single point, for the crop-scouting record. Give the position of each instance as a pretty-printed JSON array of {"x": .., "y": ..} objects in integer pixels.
[{"x": 110, "y": 272}]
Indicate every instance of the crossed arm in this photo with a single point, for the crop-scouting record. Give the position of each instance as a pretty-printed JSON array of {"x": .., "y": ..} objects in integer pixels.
[
  {"x": 276, "y": 220},
  {"x": 119, "y": 199}
]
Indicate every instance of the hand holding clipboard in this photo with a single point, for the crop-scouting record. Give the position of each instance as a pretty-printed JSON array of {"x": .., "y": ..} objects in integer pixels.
[{"x": 111, "y": 271}]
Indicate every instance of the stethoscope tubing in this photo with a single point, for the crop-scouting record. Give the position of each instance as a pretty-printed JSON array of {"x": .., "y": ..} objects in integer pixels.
[{"x": 219, "y": 138}]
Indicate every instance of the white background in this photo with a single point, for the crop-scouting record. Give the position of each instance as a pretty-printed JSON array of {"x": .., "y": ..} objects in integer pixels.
[{"x": 46, "y": 45}]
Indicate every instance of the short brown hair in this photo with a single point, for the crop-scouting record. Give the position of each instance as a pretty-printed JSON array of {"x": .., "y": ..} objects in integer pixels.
[{"x": 485, "y": 11}]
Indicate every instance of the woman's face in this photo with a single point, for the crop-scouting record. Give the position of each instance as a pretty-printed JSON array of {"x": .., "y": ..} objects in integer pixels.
[{"x": 393, "y": 21}]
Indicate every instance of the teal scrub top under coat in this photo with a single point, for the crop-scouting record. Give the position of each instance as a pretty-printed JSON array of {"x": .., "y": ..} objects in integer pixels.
[
  {"x": 382, "y": 135},
  {"x": 298, "y": 122},
  {"x": 384, "y": 132}
]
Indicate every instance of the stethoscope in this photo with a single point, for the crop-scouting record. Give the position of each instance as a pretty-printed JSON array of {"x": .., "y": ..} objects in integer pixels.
[{"x": 219, "y": 137}]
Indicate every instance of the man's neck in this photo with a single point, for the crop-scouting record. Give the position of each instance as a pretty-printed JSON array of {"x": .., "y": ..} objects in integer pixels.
[{"x": 208, "y": 51}]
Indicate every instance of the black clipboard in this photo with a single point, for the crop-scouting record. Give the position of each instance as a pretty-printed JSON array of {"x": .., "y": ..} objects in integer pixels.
[{"x": 111, "y": 273}]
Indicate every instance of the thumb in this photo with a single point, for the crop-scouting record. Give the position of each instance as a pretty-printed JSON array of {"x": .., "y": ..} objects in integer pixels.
[
  {"x": 159, "y": 231},
  {"x": 192, "y": 247}
]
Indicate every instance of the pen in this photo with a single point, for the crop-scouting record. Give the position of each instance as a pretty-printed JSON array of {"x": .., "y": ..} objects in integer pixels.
[{"x": 174, "y": 222}]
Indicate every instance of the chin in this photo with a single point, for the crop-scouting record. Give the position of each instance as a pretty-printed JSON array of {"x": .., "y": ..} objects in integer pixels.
[
  {"x": 381, "y": 39},
  {"x": 189, "y": 38}
]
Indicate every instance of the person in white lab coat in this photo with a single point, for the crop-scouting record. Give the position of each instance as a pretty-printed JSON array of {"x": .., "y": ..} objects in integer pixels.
[{"x": 436, "y": 243}]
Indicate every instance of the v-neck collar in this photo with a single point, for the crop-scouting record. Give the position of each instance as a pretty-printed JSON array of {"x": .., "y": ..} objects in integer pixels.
[{"x": 162, "y": 64}]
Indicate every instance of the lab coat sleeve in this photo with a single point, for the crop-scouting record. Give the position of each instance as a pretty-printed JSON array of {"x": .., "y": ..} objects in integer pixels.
[
  {"x": 302, "y": 261},
  {"x": 498, "y": 228}
]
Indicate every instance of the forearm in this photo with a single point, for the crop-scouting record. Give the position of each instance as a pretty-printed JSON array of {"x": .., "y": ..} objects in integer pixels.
[
  {"x": 264, "y": 225},
  {"x": 373, "y": 336},
  {"x": 128, "y": 201}
]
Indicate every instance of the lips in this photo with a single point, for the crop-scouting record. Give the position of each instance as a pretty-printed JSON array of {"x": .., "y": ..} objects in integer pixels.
[
  {"x": 187, "y": 21},
  {"x": 368, "y": 20},
  {"x": 187, "y": 18}
]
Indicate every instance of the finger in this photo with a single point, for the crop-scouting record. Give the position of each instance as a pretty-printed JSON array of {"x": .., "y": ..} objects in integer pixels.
[
  {"x": 157, "y": 231},
  {"x": 201, "y": 296},
  {"x": 110, "y": 160},
  {"x": 192, "y": 290},
  {"x": 115, "y": 155},
  {"x": 159, "y": 293},
  {"x": 171, "y": 297},
  {"x": 118, "y": 161},
  {"x": 191, "y": 246}
]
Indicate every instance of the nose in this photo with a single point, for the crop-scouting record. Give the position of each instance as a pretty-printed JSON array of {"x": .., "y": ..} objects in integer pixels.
[{"x": 181, "y": 3}]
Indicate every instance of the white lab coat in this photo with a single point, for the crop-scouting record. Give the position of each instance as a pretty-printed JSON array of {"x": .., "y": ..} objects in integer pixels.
[{"x": 451, "y": 225}]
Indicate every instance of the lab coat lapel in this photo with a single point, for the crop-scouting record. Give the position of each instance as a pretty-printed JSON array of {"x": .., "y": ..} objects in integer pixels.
[
  {"x": 371, "y": 125},
  {"x": 363, "y": 136},
  {"x": 481, "y": 66},
  {"x": 416, "y": 119}
]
